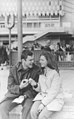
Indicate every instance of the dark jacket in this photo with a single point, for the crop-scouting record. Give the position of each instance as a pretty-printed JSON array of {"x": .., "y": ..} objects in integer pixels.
[
  {"x": 14, "y": 80},
  {"x": 3, "y": 55}
]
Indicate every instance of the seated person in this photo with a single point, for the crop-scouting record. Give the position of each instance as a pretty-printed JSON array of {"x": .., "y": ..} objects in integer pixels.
[
  {"x": 50, "y": 97},
  {"x": 18, "y": 85}
]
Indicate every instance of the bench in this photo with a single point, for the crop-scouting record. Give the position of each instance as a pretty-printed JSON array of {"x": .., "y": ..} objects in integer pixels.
[
  {"x": 66, "y": 113},
  {"x": 16, "y": 113}
]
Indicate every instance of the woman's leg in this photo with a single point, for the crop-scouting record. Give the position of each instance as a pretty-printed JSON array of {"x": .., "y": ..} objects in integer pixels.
[
  {"x": 34, "y": 110},
  {"x": 45, "y": 114}
]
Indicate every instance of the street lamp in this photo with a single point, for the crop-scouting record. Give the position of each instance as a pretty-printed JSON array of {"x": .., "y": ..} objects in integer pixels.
[
  {"x": 19, "y": 6},
  {"x": 9, "y": 23}
]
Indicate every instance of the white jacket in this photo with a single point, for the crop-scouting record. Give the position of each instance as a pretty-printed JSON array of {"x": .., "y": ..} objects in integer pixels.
[{"x": 51, "y": 93}]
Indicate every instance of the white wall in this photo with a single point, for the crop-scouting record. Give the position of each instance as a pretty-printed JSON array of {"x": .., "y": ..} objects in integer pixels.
[{"x": 69, "y": 13}]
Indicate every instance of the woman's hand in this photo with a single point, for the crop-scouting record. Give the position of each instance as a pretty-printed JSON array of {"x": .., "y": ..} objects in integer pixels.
[
  {"x": 32, "y": 82},
  {"x": 40, "y": 108}
]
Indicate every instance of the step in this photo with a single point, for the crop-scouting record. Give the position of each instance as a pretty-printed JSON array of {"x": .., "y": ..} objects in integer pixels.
[{"x": 65, "y": 64}]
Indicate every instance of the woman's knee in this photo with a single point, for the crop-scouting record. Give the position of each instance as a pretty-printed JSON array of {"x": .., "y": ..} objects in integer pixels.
[
  {"x": 45, "y": 115},
  {"x": 33, "y": 113},
  {"x": 34, "y": 110}
]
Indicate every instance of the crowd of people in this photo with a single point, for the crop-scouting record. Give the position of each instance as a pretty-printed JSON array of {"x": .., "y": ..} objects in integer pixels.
[
  {"x": 61, "y": 51},
  {"x": 40, "y": 86},
  {"x": 64, "y": 53}
]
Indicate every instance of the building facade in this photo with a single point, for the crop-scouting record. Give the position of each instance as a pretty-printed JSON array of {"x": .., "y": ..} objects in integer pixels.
[{"x": 43, "y": 21}]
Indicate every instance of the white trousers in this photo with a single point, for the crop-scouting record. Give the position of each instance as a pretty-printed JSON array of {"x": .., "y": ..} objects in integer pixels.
[{"x": 44, "y": 114}]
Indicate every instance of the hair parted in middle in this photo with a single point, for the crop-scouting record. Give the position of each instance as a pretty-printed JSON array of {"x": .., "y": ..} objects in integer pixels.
[{"x": 51, "y": 61}]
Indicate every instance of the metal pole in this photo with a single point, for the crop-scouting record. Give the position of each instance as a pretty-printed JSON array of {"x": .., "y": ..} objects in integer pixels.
[
  {"x": 19, "y": 29},
  {"x": 10, "y": 47}
]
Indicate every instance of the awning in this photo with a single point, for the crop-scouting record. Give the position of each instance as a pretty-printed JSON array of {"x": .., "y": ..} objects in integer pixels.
[
  {"x": 39, "y": 35},
  {"x": 29, "y": 38},
  {"x": 34, "y": 37}
]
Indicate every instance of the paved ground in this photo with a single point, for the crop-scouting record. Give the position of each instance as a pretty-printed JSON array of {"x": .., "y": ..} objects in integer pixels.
[
  {"x": 66, "y": 75},
  {"x": 68, "y": 85},
  {"x": 68, "y": 79}
]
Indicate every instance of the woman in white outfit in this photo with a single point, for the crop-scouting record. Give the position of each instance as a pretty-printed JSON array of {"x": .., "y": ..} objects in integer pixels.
[{"x": 50, "y": 97}]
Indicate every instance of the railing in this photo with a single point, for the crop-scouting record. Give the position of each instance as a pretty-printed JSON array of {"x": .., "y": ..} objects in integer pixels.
[{"x": 67, "y": 56}]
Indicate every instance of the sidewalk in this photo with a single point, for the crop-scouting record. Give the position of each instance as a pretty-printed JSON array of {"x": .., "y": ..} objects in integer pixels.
[
  {"x": 68, "y": 79},
  {"x": 68, "y": 85}
]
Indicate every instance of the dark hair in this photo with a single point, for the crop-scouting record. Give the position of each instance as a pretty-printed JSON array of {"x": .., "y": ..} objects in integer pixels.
[
  {"x": 26, "y": 53},
  {"x": 51, "y": 61}
]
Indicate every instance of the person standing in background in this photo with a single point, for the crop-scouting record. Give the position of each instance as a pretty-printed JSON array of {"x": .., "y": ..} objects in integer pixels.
[{"x": 3, "y": 54}]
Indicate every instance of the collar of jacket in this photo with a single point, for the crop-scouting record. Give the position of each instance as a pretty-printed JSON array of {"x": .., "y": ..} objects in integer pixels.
[{"x": 20, "y": 67}]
